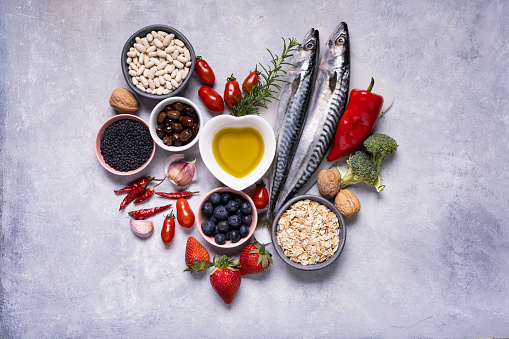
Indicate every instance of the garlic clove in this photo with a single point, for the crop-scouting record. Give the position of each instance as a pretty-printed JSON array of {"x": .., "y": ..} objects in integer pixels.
[
  {"x": 180, "y": 173},
  {"x": 142, "y": 228}
]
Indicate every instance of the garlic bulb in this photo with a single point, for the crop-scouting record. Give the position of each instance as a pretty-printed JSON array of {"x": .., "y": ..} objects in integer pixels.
[
  {"x": 142, "y": 228},
  {"x": 180, "y": 172}
]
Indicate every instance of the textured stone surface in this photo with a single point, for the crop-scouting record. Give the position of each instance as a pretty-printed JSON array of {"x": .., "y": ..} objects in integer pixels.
[{"x": 425, "y": 258}]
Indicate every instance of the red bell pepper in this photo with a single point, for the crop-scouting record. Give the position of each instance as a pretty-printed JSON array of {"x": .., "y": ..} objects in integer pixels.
[{"x": 358, "y": 121}]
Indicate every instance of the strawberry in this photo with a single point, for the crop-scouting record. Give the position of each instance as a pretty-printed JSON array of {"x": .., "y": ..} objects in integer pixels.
[
  {"x": 225, "y": 278},
  {"x": 254, "y": 258},
  {"x": 197, "y": 257}
]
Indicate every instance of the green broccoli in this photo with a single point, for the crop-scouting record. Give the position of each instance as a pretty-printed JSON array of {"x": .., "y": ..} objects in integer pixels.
[
  {"x": 379, "y": 146},
  {"x": 361, "y": 168}
]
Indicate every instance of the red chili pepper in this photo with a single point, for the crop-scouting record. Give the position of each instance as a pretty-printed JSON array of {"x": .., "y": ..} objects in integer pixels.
[
  {"x": 147, "y": 194},
  {"x": 358, "y": 121},
  {"x": 177, "y": 195},
  {"x": 148, "y": 212},
  {"x": 135, "y": 193},
  {"x": 134, "y": 184}
]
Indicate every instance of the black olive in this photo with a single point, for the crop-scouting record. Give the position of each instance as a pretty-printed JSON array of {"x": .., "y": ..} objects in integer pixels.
[
  {"x": 161, "y": 117},
  {"x": 177, "y": 127},
  {"x": 185, "y": 135},
  {"x": 174, "y": 115},
  {"x": 194, "y": 129},
  {"x": 168, "y": 130},
  {"x": 168, "y": 122},
  {"x": 168, "y": 141},
  {"x": 160, "y": 132},
  {"x": 187, "y": 109},
  {"x": 187, "y": 121},
  {"x": 178, "y": 106}
]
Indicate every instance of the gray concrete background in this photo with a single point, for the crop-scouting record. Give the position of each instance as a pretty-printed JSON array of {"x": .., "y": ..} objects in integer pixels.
[{"x": 428, "y": 257}]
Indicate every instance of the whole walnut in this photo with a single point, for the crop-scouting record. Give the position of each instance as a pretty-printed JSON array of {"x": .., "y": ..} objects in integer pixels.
[
  {"x": 347, "y": 203},
  {"x": 329, "y": 183},
  {"x": 123, "y": 101}
]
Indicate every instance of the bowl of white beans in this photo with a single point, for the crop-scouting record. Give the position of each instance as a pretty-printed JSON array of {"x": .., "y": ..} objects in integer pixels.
[{"x": 157, "y": 62}]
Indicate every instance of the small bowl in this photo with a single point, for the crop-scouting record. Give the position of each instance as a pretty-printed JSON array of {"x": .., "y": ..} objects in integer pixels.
[
  {"x": 98, "y": 144},
  {"x": 201, "y": 217},
  {"x": 342, "y": 234},
  {"x": 142, "y": 33},
  {"x": 216, "y": 124},
  {"x": 152, "y": 121}
]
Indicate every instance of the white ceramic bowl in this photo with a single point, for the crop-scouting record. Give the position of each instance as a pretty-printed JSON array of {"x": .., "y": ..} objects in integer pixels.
[
  {"x": 216, "y": 124},
  {"x": 152, "y": 123}
]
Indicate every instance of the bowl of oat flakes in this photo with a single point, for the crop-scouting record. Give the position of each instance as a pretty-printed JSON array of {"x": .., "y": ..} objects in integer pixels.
[{"x": 309, "y": 233}]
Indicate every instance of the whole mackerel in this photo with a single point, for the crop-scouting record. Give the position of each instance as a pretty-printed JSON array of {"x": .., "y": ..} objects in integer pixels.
[
  {"x": 325, "y": 110},
  {"x": 291, "y": 111}
]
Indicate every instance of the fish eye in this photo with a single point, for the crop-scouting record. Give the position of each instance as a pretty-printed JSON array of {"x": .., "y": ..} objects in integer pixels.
[
  {"x": 310, "y": 45},
  {"x": 340, "y": 40}
]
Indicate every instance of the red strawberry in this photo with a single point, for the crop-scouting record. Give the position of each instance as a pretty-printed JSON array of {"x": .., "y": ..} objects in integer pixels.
[
  {"x": 225, "y": 278},
  {"x": 254, "y": 258},
  {"x": 197, "y": 257}
]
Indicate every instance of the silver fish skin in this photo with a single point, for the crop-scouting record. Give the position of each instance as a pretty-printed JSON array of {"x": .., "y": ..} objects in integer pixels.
[
  {"x": 291, "y": 110},
  {"x": 326, "y": 107}
]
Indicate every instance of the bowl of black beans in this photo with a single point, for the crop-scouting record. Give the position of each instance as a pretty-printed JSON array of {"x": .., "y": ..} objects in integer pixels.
[
  {"x": 175, "y": 124},
  {"x": 226, "y": 218},
  {"x": 123, "y": 144}
]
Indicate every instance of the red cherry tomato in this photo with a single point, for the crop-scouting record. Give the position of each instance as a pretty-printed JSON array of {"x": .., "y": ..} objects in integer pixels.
[
  {"x": 185, "y": 215},
  {"x": 211, "y": 99},
  {"x": 168, "y": 230},
  {"x": 204, "y": 71},
  {"x": 250, "y": 81},
  {"x": 232, "y": 93},
  {"x": 260, "y": 196}
]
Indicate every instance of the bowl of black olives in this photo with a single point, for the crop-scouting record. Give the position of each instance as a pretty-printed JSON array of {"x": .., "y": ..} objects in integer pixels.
[
  {"x": 226, "y": 218},
  {"x": 175, "y": 124}
]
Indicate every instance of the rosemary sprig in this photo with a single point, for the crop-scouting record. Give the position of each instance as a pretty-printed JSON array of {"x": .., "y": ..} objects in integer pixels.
[{"x": 268, "y": 84}]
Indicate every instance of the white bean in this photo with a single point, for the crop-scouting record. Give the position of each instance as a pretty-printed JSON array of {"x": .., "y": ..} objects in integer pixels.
[
  {"x": 167, "y": 77},
  {"x": 163, "y": 64},
  {"x": 131, "y": 54},
  {"x": 172, "y": 43},
  {"x": 174, "y": 73},
  {"x": 151, "y": 84},
  {"x": 144, "y": 81},
  {"x": 138, "y": 40},
  {"x": 186, "y": 72},
  {"x": 167, "y": 40},
  {"x": 163, "y": 33},
  {"x": 182, "y": 59},
  {"x": 129, "y": 60},
  {"x": 156, "y": 61},
  {"x": 187, "y": 55},
  {"x": 154, "y": 33},
  {"x": 188, "y": 64},
  {"x": 132, "y": 73},
  {"x": 150, "y": 37},
  {"x": 160, "y": 72},
  {"x": 149, "y": 64},
  {"x": 162, "y": 81},
  {"x": 145, "y": 72},
  {"x": 152, "y": 54},
  {"x": 170, "y": 68},
  {"x": 152, "y": 72},
  {"x": 141, "y": 48},
  {"x": 169, "y": 58},
  {"x": 141, "y": 88},
  {"x": 145, "y": 43},
  {"x": 168, "y": 85},
  {"x": 161, "y": 54},
  {"x": 146, "y": 59},
  {"x": 180, "y": 49},
  {"x": 158, "y": 43},
  {"x": 178, "y": 77},
  {"x": 133, "y": 66},
  {"x": 174, "y": 84},
  {"x": 160, "y": 37},
  {"x": 179, "y": 43},
  {"x": 141, "y": 59},
  {"x": 135, "y": 81},
  {"x": 160, "y": 91},
  {"x": 140, "y": 70},
  {"x": 169, "y": 49},
  {"x": 149, "y": 90},
  {"x": 151, "y": 49},
  {"x": 178, "y": 64},
  {"x": 175, "y": 54},
  {"x": 156, "y": 82},
  {"x": 166, "y": 91}
]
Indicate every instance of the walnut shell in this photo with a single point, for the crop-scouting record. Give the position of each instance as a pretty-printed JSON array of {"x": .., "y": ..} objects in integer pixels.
[
  {"x": 123, "y": 101},
  {"x": 329, "y": 183},
  {"x": 347, "y": 203}
]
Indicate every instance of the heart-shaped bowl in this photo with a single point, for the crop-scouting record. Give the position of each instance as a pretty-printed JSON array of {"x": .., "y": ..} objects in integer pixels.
[{"x": 218, "y": 123}]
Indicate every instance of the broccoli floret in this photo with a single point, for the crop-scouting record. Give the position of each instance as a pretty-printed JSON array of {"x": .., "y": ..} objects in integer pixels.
[
  {"x": 379, "y": 146},
  {"x": 361, "y": 168}
]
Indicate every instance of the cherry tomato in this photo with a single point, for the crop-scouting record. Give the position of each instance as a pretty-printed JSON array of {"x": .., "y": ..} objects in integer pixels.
[
  {"x": 204, "y": 71},
  {"x": 185, "y": 215},
  {"x": 211, "y": 99},
  {"x": 250, "y": 81},
  {"x": 232, "y": 93},
  {"x": 168, "y": 230},
  {"x": 260, "y": 196}
]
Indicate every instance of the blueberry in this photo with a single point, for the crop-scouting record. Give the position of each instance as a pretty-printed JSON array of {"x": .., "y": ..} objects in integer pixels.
[
  {"x": 214, "y": 219},
  {"x": 244, "y": 231},
  {"x": 245, "y": 208},
  {"x": 234, "y": 221},
  {"x": 234, "y": 236},
  {"x": 220, "y": 238},
  {"x": 228, "y": 235},
  {"x": 232, "y": 206},
  {"x": 225, "y": 197},
  {"x": 208, "y": 227},
  {"x": 223, "y": 227},
  {"x": 221, "y": 213},
  {"x": 238, "y": 199},
  {"x": 247, "y": 220},
  {"x": 215, "y": 199},
  {"x": 216, "y": 230},
  {"x": 207, "y": 209}
]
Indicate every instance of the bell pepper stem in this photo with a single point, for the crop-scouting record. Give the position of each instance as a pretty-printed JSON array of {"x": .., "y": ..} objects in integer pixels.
[{"x": 371, "y": 84}]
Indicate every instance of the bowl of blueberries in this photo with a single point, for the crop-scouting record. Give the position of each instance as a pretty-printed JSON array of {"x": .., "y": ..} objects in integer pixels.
[{"x": 226, "y": 218}]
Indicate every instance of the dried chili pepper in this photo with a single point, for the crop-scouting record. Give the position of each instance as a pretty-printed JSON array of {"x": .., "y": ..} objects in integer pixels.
[
  {"x": 132, "y": 195},
  {"x": 357, "y": 122},
  {"x": 177, "y": 195},
  {"x": 147, "y": 194},
  {"x": 148, "y": 212},
  {"x": 134, "y": 184}
]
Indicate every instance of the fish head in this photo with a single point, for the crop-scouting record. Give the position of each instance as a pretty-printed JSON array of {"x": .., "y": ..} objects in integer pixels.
[
  {"x": 337, "y": 50},
  {"x": 304, "y": 57}
]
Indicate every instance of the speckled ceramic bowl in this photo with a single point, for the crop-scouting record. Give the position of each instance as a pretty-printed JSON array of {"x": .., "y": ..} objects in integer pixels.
[
  {"x": 98, "y": 144},
  {"x": 201, "y": 217},
  {"x": 342, "y": 234}
]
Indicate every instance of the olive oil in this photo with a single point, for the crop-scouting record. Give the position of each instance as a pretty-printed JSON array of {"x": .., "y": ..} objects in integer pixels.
[{"x": 238, "y": 150}]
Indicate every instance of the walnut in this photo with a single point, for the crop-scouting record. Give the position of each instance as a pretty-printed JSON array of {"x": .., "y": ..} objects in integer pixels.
[
  {"x": 123, "y": 101},
  {"x": 347, "y": 203},
  {"x": 329, "y": 183}
]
